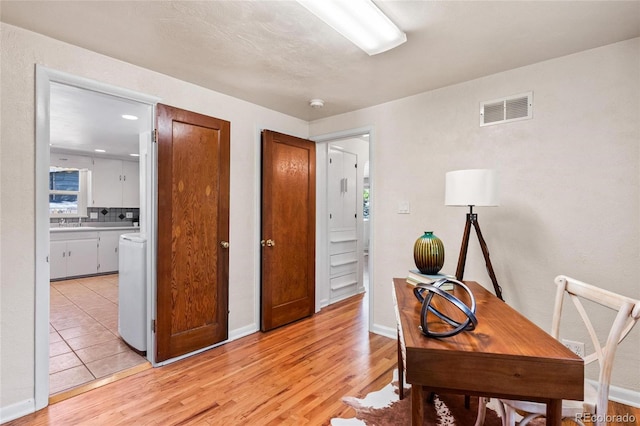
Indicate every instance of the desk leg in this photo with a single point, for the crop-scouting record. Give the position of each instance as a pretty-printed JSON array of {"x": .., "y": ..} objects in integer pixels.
[
  {"x": 554, "y": 412},
  {"x": 417, "y": 405},
  {"x": 400, "y": 369}
]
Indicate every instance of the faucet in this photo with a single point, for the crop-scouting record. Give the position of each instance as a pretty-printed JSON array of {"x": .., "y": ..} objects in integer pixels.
[{"x": 61, "y": 222}]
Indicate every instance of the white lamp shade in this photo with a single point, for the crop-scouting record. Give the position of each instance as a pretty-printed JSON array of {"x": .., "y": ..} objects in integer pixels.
[{"x": 477, "y": 187}]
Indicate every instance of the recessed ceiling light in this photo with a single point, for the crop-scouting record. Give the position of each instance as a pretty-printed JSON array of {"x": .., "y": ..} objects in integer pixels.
[
  {"x": 99, "y": 150},
  {"x": 129, "y": 117},
  {"x": 135, "y": 155}
]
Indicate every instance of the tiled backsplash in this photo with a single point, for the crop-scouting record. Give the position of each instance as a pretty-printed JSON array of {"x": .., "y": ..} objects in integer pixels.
[{"x": 106, "y": 214}]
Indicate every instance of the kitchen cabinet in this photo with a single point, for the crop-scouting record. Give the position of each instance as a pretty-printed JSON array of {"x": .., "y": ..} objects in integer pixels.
[
  {"x": 73, "y": 254},
  {"x": 71, "y": 161},
  {"x": 80, "y": 252},
  {"x": 58, "y": 260},
  {"x": 82, "y": 257},
  {"x": 108, "y": 246},
  {"x": 130, "y": 184},
  {"x": 115, "y": 183}
]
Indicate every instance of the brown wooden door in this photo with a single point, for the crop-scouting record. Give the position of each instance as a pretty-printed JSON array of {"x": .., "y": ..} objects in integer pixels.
[
  {"x": 193, "y": 232},
  {"x": 288, "y": 229}
]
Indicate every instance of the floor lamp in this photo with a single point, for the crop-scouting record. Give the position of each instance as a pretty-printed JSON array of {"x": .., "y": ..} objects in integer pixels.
[{"x": 478, "y": 187}]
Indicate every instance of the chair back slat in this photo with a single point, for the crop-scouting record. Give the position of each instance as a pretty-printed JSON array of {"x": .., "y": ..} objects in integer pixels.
[
  {"x": 628, "y": 313},
  {"x": 597, "y": 347}
]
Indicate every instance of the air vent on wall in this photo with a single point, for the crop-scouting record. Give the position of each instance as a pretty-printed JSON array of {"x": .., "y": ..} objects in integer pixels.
[{"x": 505, "y": 110}]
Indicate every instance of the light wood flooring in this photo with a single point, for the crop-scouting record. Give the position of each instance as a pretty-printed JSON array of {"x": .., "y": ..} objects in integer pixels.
[{"x": 294, "y": 375}]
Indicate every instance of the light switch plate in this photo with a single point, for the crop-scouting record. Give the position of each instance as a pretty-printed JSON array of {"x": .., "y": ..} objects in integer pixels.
[
  {"x": 129, "y": 215},
  {"x": 404, "y": 207},
  {"x": 93, "y": 215}
]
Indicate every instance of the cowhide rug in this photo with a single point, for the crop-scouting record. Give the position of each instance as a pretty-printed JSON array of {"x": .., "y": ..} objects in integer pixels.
[{"x": 383, "y": 408}]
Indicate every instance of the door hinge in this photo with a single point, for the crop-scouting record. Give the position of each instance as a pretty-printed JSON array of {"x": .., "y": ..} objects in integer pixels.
[
  {"x": 155, "y": 135},
  {"x": 355, "y": 165},
  {"x": 330, "y": 161},
  {"x": 153, "y": 326}
]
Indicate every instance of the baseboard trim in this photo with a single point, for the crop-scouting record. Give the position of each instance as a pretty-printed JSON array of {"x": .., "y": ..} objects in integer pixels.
[
  {"x": 621, "y": 395},
  {"x": 19, "y": 409},
  {"x": 242, "y": 332},
  {"x": 383, "y": 330}
]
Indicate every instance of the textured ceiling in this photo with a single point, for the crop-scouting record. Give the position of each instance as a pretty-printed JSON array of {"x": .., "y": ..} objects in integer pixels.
[{"x": 278, "y": 55}]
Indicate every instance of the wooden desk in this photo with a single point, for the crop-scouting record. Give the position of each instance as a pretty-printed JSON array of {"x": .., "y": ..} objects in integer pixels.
[{"x": 506, "y": 356}]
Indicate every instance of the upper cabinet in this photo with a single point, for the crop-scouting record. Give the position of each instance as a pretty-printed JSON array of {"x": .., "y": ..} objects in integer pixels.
[
  {"x": 130, "y": 184},
  {"x": 71, "y": 161},
  {"x": 115, "y": 183}
]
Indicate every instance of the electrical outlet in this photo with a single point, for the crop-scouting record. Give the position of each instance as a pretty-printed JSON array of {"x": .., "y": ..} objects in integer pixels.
[{"x": 575, "y": 347}]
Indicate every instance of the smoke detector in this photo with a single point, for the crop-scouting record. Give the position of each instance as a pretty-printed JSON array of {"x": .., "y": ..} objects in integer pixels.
[{"x": 316, "y": 103}]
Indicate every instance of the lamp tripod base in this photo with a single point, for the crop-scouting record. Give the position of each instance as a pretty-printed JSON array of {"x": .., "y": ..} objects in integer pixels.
[{"x": 472, "y": 220}]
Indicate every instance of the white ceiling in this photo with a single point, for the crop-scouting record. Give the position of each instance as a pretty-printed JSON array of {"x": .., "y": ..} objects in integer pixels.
[
  {"x": 278, "y": 55},
  {"x": 84, "y": 120}
]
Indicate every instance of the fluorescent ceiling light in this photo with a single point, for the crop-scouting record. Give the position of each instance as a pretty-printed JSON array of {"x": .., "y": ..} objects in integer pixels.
[
  {"x": 135, "y": 155},
  {"x": 99, "y": 150},
  {"x": 129, "y": 117},
  {"x": 360, "y": 21}
]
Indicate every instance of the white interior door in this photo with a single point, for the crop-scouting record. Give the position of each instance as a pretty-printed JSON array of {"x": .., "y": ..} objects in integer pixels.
[{"x": 343, "y": 229}]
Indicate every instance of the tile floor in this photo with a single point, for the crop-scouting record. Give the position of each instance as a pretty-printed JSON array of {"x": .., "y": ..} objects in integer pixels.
[{"x": 83, "y": 342}]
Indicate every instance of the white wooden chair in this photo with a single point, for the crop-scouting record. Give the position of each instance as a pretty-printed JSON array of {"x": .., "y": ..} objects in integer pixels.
[{"x": 596, "y": 396}]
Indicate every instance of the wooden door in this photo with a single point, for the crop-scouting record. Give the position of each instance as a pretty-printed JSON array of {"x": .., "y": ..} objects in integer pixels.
[
  {"x": 193, "y": 232},
  {"x": 288, "y": 229}
]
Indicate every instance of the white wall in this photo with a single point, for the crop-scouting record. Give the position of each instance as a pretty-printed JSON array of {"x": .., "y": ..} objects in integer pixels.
[
  {"x": 570, "y": 182},
  {"x": 21, "y": 50}
]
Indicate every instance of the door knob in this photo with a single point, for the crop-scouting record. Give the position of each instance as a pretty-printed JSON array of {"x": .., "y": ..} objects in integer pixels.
[
  {"x": 224, "y": 244},
  {"x": 268, "y": 243}
]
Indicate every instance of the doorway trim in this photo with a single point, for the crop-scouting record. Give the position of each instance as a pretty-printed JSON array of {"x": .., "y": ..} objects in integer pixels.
[
  {"x": 322, "y": 226},
  {"x": 44, "y": 77}
]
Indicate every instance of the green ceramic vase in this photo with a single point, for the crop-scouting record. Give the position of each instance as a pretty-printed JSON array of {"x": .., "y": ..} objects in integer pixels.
[{"x": 428, "y": 253}]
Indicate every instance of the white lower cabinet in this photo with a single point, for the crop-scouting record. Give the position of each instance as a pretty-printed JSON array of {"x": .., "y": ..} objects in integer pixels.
[
  {"x": 108, "y": 242},
  {"x": 58, "y": 259},
  {"x": 82, "y": 257},
  {"x": 73, "y": 254}
]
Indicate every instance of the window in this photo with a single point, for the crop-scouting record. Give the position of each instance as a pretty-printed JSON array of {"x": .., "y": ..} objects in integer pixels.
[
  {"x": 365, "y": 203},
  {"x": 68, "y": 192}
]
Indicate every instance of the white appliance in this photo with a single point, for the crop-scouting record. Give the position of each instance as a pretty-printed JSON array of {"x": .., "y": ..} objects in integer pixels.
[{"x": 132, "y": 290}]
